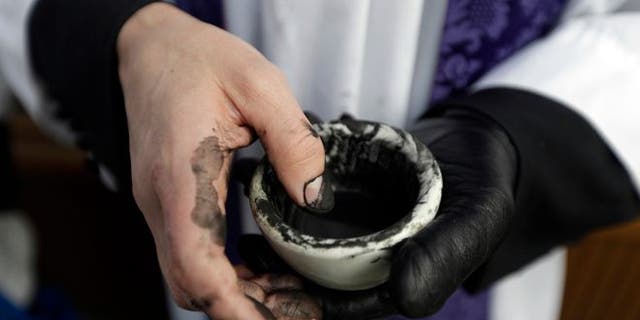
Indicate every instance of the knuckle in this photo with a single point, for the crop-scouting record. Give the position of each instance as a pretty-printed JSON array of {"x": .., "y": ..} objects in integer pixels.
[
  {"x": 417, "y": 283},
  {"x": 496, "y": 204},
  {"x": 304, "y": 150},
  {"x": 262, "y": 84},
  {"x": 260, "y": 78},
  {"x": 293, "y": 143},
  {"x": 266, "y": 71}
]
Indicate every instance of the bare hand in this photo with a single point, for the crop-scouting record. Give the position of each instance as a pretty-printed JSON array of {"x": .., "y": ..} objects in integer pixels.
[
  {"x": 194, "y": 94},
  {"x": 282, "y": 294}
]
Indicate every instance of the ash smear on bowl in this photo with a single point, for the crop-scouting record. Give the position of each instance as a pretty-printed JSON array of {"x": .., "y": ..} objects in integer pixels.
[{"x": 373, "y": 170}]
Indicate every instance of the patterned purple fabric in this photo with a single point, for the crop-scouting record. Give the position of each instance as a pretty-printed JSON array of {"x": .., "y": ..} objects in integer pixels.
[
  {"x": 478, "y": 34},
  {"x": 461, "y": 306}
]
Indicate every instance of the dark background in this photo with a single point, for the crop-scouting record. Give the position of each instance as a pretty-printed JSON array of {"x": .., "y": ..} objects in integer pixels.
[{"x": 93, "y": 244}]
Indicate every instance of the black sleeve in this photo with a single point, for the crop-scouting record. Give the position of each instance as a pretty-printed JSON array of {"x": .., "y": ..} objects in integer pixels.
[
  {"x": 569, "y": 181},
  {"x": 73, "y": 53},
  {"x": 8, "y": 178}
]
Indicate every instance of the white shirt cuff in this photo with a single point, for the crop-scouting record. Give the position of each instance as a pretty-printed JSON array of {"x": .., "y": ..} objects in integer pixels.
[{"x": 591, "y": 65}]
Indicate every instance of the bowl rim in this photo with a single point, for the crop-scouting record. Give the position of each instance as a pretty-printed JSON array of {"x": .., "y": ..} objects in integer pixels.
[{"x": 427, "y": 203}]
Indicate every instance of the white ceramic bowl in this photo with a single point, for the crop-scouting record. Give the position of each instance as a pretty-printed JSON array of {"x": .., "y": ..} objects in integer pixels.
[{"x": 359, "y": 262}]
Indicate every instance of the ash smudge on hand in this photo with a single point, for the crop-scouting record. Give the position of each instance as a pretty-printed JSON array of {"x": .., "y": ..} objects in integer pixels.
[
  {"x": 206, "y": 165},
  {"x": 277, "y": 282},
  {"x": 293, "y": 304},
  {"x": 252, "y": 289},
  {"x": 264, "y": 311}
]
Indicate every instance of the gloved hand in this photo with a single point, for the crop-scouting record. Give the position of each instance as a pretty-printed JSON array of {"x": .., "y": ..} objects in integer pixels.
[
  {"x": 478, "y": 165},
  {"x": 495, "y": 215}
]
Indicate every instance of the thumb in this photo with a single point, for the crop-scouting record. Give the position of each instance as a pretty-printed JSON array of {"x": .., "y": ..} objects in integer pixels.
[
  {"x": 293, "y": 147},
  {"x": 297, "y": 155}
]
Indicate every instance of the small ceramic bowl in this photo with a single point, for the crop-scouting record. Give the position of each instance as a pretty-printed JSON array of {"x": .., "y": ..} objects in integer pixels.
[{"x": 387, "y": 186}]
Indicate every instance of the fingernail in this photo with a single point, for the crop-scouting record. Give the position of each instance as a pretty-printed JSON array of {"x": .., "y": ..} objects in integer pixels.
[{"x": 318, "y": 195}]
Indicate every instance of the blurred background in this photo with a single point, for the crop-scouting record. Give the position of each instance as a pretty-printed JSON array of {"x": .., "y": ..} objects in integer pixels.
[
  {"x": 95, "y": 257},
  {"x": 70, "y": 249}
]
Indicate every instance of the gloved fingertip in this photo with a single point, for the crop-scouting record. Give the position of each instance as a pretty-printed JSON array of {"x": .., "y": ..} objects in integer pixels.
[{"x": 418, "y": 285}]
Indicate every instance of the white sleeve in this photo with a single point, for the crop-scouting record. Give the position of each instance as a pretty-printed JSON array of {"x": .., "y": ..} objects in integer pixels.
[
  {"x": 16, "y": 71},
  {"x": 578, "y": 8},
  {"x": 591, "y": 64}
]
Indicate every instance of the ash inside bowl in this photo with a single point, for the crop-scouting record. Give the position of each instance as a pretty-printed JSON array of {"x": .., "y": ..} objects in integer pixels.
[{"x": 374, "y": 188}]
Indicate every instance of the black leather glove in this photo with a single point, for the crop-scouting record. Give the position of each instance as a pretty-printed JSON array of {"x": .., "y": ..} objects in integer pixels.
[
  {"x": 521, "y": 175},
  {"x": 478, "y": 165}
]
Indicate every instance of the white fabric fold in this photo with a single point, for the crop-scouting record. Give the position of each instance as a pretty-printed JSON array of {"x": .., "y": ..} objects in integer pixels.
[
  {"x": 354, "y": 56},
  {"x": 591, "y": 65},
  {"x": 16, "y": 70}
]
